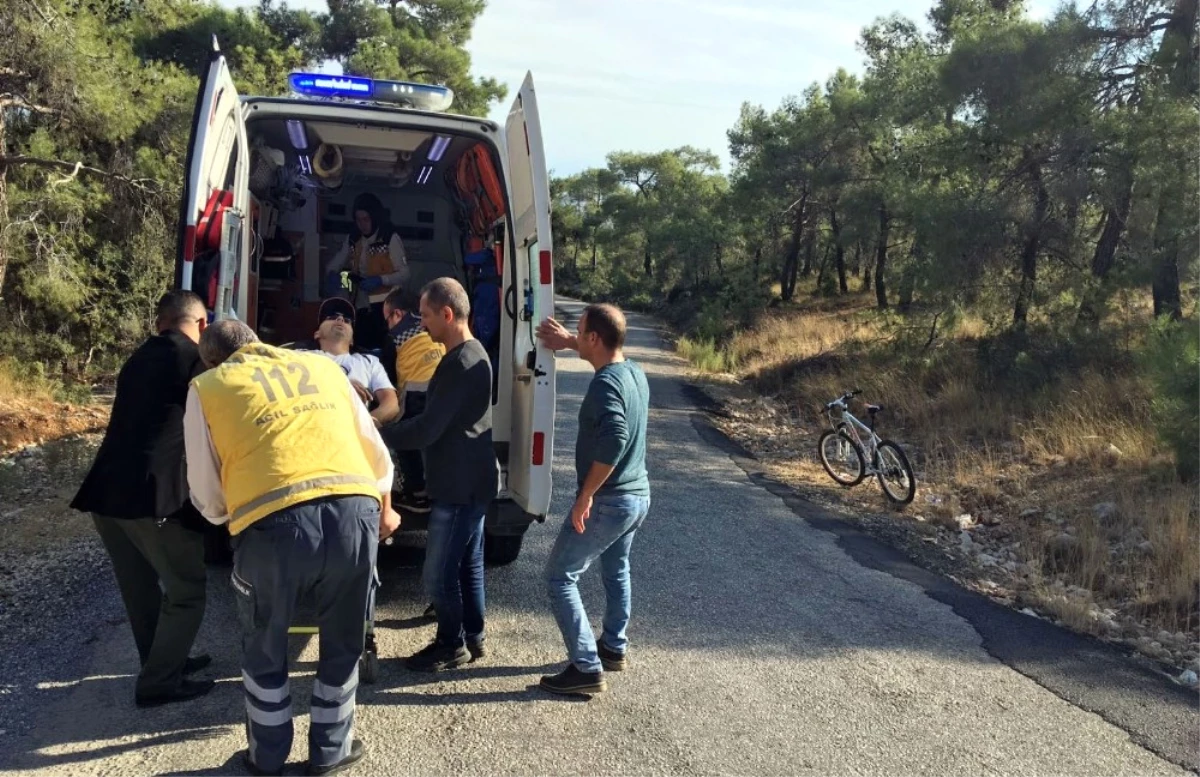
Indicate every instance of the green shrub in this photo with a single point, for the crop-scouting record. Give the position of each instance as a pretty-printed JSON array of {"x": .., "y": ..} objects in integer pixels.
[
  {"x": 706, "y": 355},
  {"x": 1172, "y": 363}
]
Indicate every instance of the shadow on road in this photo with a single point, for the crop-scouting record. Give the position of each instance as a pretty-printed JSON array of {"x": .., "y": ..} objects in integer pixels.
[{"x": 721, "y": 567}]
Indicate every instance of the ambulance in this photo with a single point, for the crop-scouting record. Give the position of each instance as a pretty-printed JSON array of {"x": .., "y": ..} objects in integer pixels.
[{"x": 268, "y": 202}]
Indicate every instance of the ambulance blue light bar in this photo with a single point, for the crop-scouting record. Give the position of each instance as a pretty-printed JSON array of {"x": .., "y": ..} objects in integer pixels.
[{"x": 420, "y": 96}]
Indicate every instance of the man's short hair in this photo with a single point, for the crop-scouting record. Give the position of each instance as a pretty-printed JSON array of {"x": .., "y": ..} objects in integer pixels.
[
  {"x": 222, "y": 339},
  {"x": 178, "y": 306},
  {"x": 448, "y": 293},
  {"x": 608, "y": 322},
  {"x": 402, "y": 298}
]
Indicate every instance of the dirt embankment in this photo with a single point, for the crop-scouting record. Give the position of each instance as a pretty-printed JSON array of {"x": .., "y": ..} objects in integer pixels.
[{"x": 25, "y": 422}]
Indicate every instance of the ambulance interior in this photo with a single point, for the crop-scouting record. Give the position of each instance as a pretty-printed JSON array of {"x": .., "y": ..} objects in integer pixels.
[{"x": 441, "y": 193}]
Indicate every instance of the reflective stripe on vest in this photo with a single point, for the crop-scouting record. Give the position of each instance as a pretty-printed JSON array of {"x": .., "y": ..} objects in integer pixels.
[
  {"x": 284, "y": 430},
  {"x": 295, "y": 488}
]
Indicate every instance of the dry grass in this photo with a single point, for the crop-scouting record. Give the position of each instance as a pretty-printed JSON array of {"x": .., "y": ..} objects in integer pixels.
[
  {"x": 32, "y": 409},
  {"x": 1068, "y": 438},
  {"x": 18, "y": 385}
]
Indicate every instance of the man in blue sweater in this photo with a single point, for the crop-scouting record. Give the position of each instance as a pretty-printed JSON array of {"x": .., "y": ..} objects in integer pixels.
[{"x": 611, "y": 503}]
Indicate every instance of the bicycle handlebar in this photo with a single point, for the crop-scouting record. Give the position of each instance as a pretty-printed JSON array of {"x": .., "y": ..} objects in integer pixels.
[{"x": 851, "y": 394}]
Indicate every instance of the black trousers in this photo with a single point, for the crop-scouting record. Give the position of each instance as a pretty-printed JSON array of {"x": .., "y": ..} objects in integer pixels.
[{"x": 164, "y": 620}]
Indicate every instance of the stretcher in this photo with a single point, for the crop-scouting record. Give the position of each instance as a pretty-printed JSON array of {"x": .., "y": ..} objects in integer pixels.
[{"x": 368, "y": 662}]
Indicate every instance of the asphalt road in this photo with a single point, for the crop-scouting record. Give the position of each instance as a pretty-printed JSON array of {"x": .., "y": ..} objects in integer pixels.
[{"x": 763, "y": 642}]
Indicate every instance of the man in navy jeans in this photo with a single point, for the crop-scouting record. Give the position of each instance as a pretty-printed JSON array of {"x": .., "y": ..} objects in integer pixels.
[
  {"x": 462, "y": 476},
  {"x": 612, "y": 500}
]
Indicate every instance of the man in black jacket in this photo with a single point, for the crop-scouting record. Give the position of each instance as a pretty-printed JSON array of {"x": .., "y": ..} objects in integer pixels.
[
  {"x": 461, "y": 475},
  {"x": 137, "y": 493}
]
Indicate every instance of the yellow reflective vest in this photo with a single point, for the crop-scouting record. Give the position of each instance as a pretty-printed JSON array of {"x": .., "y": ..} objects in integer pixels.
[
  {"x": 417, "y": 355},
  {"x": 283, "y": 428}
]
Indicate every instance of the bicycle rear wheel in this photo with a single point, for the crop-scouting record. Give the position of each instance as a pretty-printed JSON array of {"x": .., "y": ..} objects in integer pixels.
[
  {"x": 842, "y": 458},
  {"x": 895, "y": 474}
]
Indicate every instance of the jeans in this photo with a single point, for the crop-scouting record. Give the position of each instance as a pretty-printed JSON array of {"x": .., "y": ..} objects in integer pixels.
[
  {"x": 453, "y": 573},
  {"x": 325, "y": 548},
  {"x": 608, "y": 536}
]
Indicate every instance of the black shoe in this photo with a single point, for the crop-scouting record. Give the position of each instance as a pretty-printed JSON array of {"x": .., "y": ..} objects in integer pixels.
[
  {"x": 611, "y": 659},
  {"x": 436, "y": 657},
  {"x": 196, "y": 663},
  {"x": 477, "y": 649},
  {"x": 254, "y": 769},
  {"x": 188, "y": 689},
  {"x": 414, "y": 503},
  {"x": 356, "y": 754},
  {"x": 571, "y": 681},
  {"x": 430, "y": 613}
]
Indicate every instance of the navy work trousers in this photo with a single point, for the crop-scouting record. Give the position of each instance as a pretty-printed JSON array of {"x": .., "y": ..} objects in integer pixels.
[{"x": 324, "y": 549}]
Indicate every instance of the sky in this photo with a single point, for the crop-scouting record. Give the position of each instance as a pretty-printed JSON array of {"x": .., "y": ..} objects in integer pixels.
[{"x": 649, "y": 75}]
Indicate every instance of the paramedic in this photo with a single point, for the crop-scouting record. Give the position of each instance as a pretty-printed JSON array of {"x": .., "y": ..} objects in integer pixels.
[
  {"x": 611, "y": 503},
  {"x": 461, "y": 476},
  {"x": 279, "y": 447},
  {"x": 375, "y": 253},
  {"x": 137, "y": 493},
  {"x": 410, "y": 356},
  {"x": 335, "y": 332}
]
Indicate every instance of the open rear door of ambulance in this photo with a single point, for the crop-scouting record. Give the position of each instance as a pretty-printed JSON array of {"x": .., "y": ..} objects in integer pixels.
[
  {"x": 532, "y": 446},
  {"x": 212, "y": 243}
]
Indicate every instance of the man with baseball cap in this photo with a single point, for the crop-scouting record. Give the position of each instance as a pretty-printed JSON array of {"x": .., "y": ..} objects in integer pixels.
[{"x": 334, "y": 335}]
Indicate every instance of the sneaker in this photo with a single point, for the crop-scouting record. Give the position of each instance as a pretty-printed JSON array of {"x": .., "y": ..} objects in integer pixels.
[
  {"x": 356, "y": 754},
  {"x": 187, "y": 690},
  {"x": 476, "y": 649},
  {"x": 436, "y": 657},
  {"x": 573, "y": 681},
  {"x": 611, "y": 659},
  {"x": 414, "y": 503}
]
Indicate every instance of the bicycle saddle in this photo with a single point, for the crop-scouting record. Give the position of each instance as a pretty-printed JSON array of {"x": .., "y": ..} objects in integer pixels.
[{"x": 874, "y": 409}]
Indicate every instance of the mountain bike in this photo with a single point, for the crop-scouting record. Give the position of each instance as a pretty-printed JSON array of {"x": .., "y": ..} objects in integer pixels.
[{"x": 850, "y": 450}]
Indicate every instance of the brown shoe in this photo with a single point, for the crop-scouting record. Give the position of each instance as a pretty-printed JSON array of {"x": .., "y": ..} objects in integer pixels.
[{"x": 611, "y": 659}]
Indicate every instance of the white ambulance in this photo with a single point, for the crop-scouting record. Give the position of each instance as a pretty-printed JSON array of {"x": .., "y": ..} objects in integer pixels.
[{"x": 267, "y": 204}]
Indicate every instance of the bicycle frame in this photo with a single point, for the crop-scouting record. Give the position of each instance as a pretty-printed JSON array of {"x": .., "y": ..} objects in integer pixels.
[{"x": 852, "y": 426}]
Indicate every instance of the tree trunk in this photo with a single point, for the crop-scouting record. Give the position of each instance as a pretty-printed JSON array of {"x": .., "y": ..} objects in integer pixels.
[
  {"x": 791, "y": 260},
  {"x": 881, "y": 256},
  {"x": 839, "y": 252},
  {"x": 1031, "y": 249},
  {"x": 1104, "y": 257},
  {"x": 906, "y": 288},
  {"x": 824, "y": 266},
  {"x": 866, "y": 277},
  {"x": 595, "y": 243},
  {"x": 647, "y": 265},
  {"x": 810, "y": 244},
  {"x": 3, "y": 210},
  {"x": 1176, "y": 56}
]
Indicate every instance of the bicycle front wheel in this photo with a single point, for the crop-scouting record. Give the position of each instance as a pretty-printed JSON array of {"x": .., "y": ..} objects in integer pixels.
[
  {"x": 895, "y": 473},
  {"x": 842, "y": 458}
]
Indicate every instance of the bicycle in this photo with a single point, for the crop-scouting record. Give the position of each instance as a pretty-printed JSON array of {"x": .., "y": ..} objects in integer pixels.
[{"x": 848, "y": 459}]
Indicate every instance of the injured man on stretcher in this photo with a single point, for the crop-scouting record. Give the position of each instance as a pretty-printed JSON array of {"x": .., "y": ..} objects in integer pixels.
[{"x": 334, "y": 337}]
